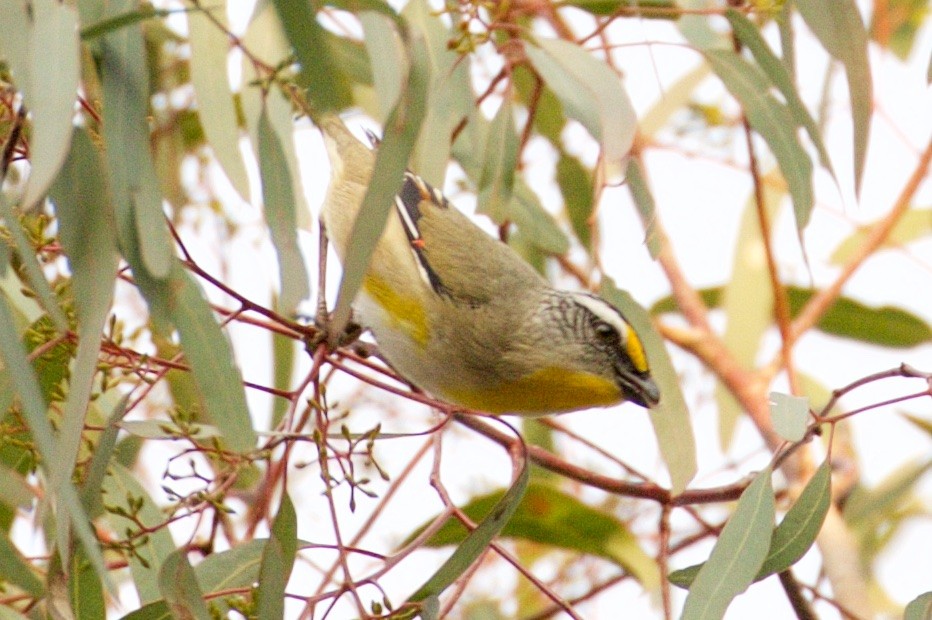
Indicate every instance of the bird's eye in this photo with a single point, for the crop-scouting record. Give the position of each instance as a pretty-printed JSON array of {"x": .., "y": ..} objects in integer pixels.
[{"x": 606, "y": 332}]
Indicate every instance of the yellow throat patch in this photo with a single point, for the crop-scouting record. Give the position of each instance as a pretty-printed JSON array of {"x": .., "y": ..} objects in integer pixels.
[{"x": 545, "y": 391}]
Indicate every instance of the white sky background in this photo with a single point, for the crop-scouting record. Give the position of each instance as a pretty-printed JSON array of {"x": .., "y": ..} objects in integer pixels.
[{"x": 700, "y": 200}]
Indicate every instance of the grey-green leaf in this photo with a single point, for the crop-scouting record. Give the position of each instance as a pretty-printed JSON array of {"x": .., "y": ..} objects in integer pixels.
[
  {"x": 549, "y": 516},
  {"x": 920, "y": 608},
  {"x": 777, "y": 71},
  {"x": 210, "y": 356},
  {"x": 591, "y": 93},
  {"x": 639, "y": 187},
  {"x": 790, "y": 414},
  {"x": 738, "y": 554},
  {"x": 84, "y": 212},
  {"x": 16, "y": 571},
  {"x": 327, "y": 86},
  {"x": 180, "y": 588},
  {"x": 277, "y": 561},
  {"x": 209, "y": 50},
  {"x": 838, "y": 27},
  {"x": 670, "y": 417},
  {"x": 477, "y": 541},
  {"x": 801, "y": 524},
  {"x": 139, "y": 219},
  {"x": 122, "y": 491},
  {"x": 773, "y": 122},
  {"x": 54, "y": 88},
  {"x": 386, "y": 56},
  {"x": 34, "y": 411},
  {"x": 279, "y": 201},
  {"x": 497, "y": 180}
]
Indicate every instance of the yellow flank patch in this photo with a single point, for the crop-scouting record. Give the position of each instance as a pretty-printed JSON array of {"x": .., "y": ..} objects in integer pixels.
[
  {"x": 550, "y": 390},
  {"x": 404, "y": 311},
  {"x": 636, "y": 352}
]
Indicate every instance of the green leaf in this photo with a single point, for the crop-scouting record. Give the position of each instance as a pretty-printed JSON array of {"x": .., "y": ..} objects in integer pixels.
[
  {"x": 17, "y": 571},
  {"x": 670, "y": 417},
  {"x": 139, "y": 219},
  {"x": 779, "y": 75},
  {"x": 790, "y": 414},
  {"x": 279, "y": 201},
  {"x": 881, "y": 325},
  {"x": 575, "y": 183},
  {"x": 847, "y": 318},
  {"x": 54, "y": 87},
  {"x": 180, "y": 588},
  {"x": 476, "y": 542},
  {"x": 497, "y": 180},
  {"x": 92, "y": 489},
  {"x": 838, "y": 27},
  {"x": 327, "y": 86},
  {"x": 913, "y": 225},
  {"x": 84, "y": 589},
  {"x": 920, "y": 608},
  {"x": 208, "y": 353},
  {"x": 648, "y": 9},
  {"x": 130, "y": 508},
  {"x": 16, "y": 42},
  {"x": 591, "y": 92},
  {"x": 738, "y": 554},
  {"x": 164, "y": 429},
  {"x": 644, "y": 201},
  {"x": 450, "y": 98},
  {"x": 283, "y": 365},
  {"x": 233, "y": 569},
  {"x": 85, "y": 218},
  {"x": 549, "y": 516},
  {"x": 210, "y": 47},
  {"x": 801, "y": 524},
  {"x": 401, "y": 131},
  {"x": 529, "y": 215},
  {"x": 277, "y": 561},
  {"x": 386, "y": 58},
  {"x": 772, "y": 120},
  {"x": 123, "y": 20},
  {"x": 34, "y": 411},
  {"x": 865, "y": 505}
]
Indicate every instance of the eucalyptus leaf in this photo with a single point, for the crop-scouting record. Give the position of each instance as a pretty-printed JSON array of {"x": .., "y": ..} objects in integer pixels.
[
  {"x": 476, "y": 542},
  {"x": 279, "y": 202},
  {"x": 790, "y": 415},
  {"x": 738, "y": 554},
  {"x": 838, "y": 27},
  {"x": 670, "y": 417},
  {"x": 497, "y": 180},
  {"x": 772, "y": 120},
  {"x": 591, "y": 93},
  {"x": 179, "y": 586},
  {"x": 210, "y": 46},
  {"x": 552, "y": 517},
  {"x": 54, "y": 90}
]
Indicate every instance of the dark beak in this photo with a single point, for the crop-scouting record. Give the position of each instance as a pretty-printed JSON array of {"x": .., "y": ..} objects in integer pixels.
[{"x": 639, "y": 388}]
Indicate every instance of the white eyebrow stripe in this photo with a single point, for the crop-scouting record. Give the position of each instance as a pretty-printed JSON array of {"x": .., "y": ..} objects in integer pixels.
[{"x": 604, "y": 311}]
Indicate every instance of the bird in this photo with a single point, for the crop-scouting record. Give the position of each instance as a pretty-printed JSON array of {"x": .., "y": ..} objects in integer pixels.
[{"x": 460, "y": 315}]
